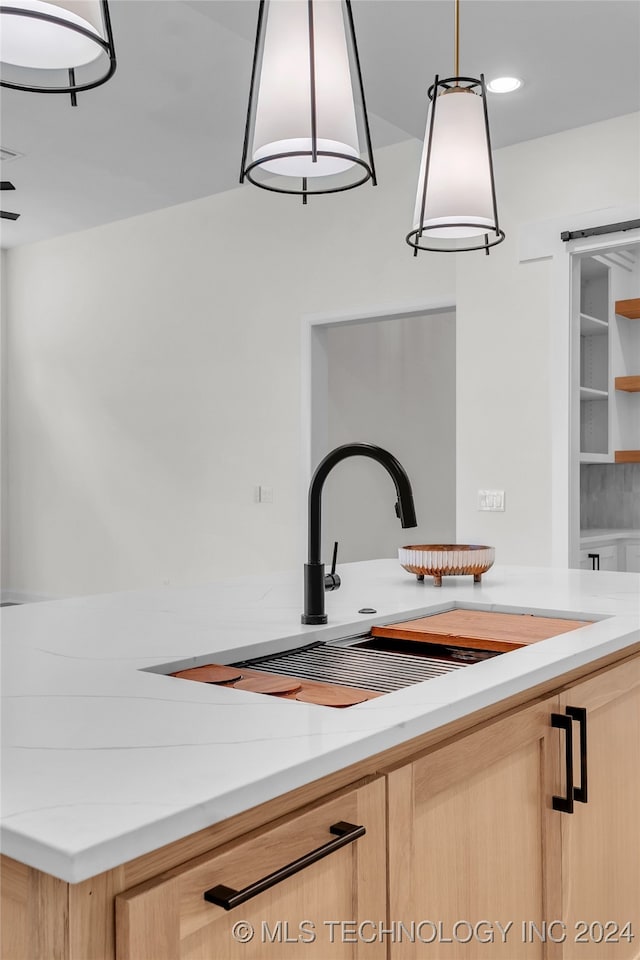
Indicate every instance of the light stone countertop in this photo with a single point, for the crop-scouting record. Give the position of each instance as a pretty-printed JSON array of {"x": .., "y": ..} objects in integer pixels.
[{"x": 104, "y": 759}]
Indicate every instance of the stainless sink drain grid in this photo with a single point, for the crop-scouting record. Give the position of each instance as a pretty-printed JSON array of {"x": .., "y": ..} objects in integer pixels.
[{"x": 374, "y": 670}]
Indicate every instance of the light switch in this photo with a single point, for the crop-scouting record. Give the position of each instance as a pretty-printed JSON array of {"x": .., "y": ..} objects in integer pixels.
[{"x": 491, "y": 500}]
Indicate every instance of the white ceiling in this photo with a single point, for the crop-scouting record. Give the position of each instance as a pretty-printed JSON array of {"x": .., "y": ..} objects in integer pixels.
[{"x": 168, "y": 127}]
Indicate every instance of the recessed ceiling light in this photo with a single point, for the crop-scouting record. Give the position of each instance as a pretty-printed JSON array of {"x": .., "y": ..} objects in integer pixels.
[{"x": 504, "y": 84}]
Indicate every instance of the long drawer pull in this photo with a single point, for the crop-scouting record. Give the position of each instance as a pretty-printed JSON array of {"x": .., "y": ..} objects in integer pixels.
[
  {"x": 580, "y": 714},
  {"x": 228, "y": 898},
  {"x": 563, "y": 722}
]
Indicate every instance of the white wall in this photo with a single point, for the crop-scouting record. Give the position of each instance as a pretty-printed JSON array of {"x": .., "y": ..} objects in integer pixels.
[
  {"x": 4, "y": 436},
  {"x": 154, "y": 367},
  {"x": 155, "y": 378},
  {"x": 505, "y": 337},
  {"x": 391, "y": 382}
]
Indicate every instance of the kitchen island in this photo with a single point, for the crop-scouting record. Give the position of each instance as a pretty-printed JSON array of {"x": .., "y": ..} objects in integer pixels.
[{"x": 108, "y": 761}]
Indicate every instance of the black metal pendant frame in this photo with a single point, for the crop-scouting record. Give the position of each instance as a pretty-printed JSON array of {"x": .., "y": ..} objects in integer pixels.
[
  {"x": 71, "y": 87},
  {"x": 492, "y": 237},
  {"x": 368, "y": 166}
]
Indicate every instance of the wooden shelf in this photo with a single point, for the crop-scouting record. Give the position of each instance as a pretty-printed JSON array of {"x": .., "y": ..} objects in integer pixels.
[
  {"x": 629, "y": 308},
  {"x": 592, "y": 325},
  {"x": 627, "y": 456},
  {"x": 628, "y": 384},
  {"x": 590, "y": 393}
]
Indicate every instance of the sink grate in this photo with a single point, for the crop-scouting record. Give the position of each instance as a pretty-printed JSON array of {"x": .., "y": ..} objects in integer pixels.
[{"x": 374, "y": 670}]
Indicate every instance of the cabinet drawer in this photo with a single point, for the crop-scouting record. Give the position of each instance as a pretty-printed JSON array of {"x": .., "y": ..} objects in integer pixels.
[
  {"x": 167, "y": 918},
  {"x": 599, "y": 557}
]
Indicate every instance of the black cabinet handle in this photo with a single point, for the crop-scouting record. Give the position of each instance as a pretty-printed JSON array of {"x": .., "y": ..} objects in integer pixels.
[
  {"x": 580, "y": 714},
  {"x": 229, "y": 898},
  {"x": 595, "y": 560},
  {"x": 563, "y": 722}
]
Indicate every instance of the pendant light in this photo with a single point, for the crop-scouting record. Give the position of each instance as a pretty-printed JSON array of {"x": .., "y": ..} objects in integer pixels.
[
  {"x": 57, "y": 46},
  {"x": 455, "y": 206},
  {"x": 307, "y": 130}
]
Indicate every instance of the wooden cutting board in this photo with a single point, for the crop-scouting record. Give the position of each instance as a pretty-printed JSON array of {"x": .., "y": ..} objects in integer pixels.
[
  {"x": 311, "y": 691},
  {"x": 331, "y": 696},
  {"x": 269, "y": 683},
  {"x": 210, "y": 673},
  {"x": 478, "y": 629},
  {"x": 275, "y": 684}
]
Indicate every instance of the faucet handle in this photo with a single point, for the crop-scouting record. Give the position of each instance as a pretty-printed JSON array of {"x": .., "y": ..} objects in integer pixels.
[
  {"x": 334, "y": 558},
  {"x": 332, "y": 580}
]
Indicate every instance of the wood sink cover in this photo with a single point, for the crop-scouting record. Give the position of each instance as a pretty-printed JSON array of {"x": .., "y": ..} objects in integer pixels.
[{"x": 479, "y": 629}]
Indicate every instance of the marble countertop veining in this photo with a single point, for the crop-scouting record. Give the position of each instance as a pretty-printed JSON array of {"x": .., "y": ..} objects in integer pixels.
[{"x": 105, "y": 759}]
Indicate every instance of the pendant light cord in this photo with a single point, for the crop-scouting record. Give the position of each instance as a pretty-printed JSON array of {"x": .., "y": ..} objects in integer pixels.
[{"x": 456, "y": 67}]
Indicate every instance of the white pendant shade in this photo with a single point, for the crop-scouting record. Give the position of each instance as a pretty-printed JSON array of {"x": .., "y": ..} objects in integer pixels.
[
  {"x": 459, "y": 201},
  {"x": 307, "y": 130},
  {"x": 27, "y": 41},
  {"x": 283, "y": 110}
]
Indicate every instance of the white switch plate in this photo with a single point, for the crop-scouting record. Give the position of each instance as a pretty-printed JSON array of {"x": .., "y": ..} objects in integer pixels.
[
  {"x": 264, "y": 494},
  {"x": 491, "y": 500}
]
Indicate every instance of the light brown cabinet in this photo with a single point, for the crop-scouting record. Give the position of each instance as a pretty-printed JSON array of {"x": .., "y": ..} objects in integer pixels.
[
  {"x": 481, "y": 848},
  {"x": 473, "y": 841},
  {"x": 601, "y": 839},
  {"x": 168, "y": 917}
]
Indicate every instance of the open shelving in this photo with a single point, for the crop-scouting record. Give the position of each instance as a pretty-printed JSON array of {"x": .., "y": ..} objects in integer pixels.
[
  {"x": 626, "y": 356},
  {"x": 594, "y": 381},
  {"x": 595, "y": 458},
  {"x": 627, "y": 456},
  {"x": 628, "y": 384},
  {"x": 628, "y": 308},
  {"x": 589, "y": 393},
  {"x": 592, "y": 326},
  {"x": 605, "y": 379}
]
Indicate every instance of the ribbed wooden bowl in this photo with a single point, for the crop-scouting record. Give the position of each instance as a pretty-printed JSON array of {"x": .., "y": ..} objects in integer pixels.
[{"x": 440, "y": 560}]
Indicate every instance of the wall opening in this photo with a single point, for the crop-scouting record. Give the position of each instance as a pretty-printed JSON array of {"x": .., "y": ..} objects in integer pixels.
[{"x": 389, "y": 380}]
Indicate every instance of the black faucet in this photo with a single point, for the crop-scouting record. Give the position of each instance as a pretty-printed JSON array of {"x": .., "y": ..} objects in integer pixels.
[{"x": 315, "y": 582}]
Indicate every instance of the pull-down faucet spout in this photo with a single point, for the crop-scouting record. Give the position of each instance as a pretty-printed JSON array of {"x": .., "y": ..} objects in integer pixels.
[{"x": 314, "y": 580}]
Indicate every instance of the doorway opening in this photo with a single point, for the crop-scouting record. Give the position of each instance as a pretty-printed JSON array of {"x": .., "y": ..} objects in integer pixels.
[
  {"x": 387, "y": 379},
  {"x": 605, "y": 407}
]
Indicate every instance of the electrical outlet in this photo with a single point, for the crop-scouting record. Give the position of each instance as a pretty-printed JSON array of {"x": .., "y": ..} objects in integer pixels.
[{"x": 491, "y": 500}]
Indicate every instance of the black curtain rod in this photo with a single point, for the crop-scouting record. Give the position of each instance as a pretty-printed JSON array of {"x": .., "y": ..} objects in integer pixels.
[{"x": 596, "y": 231}]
